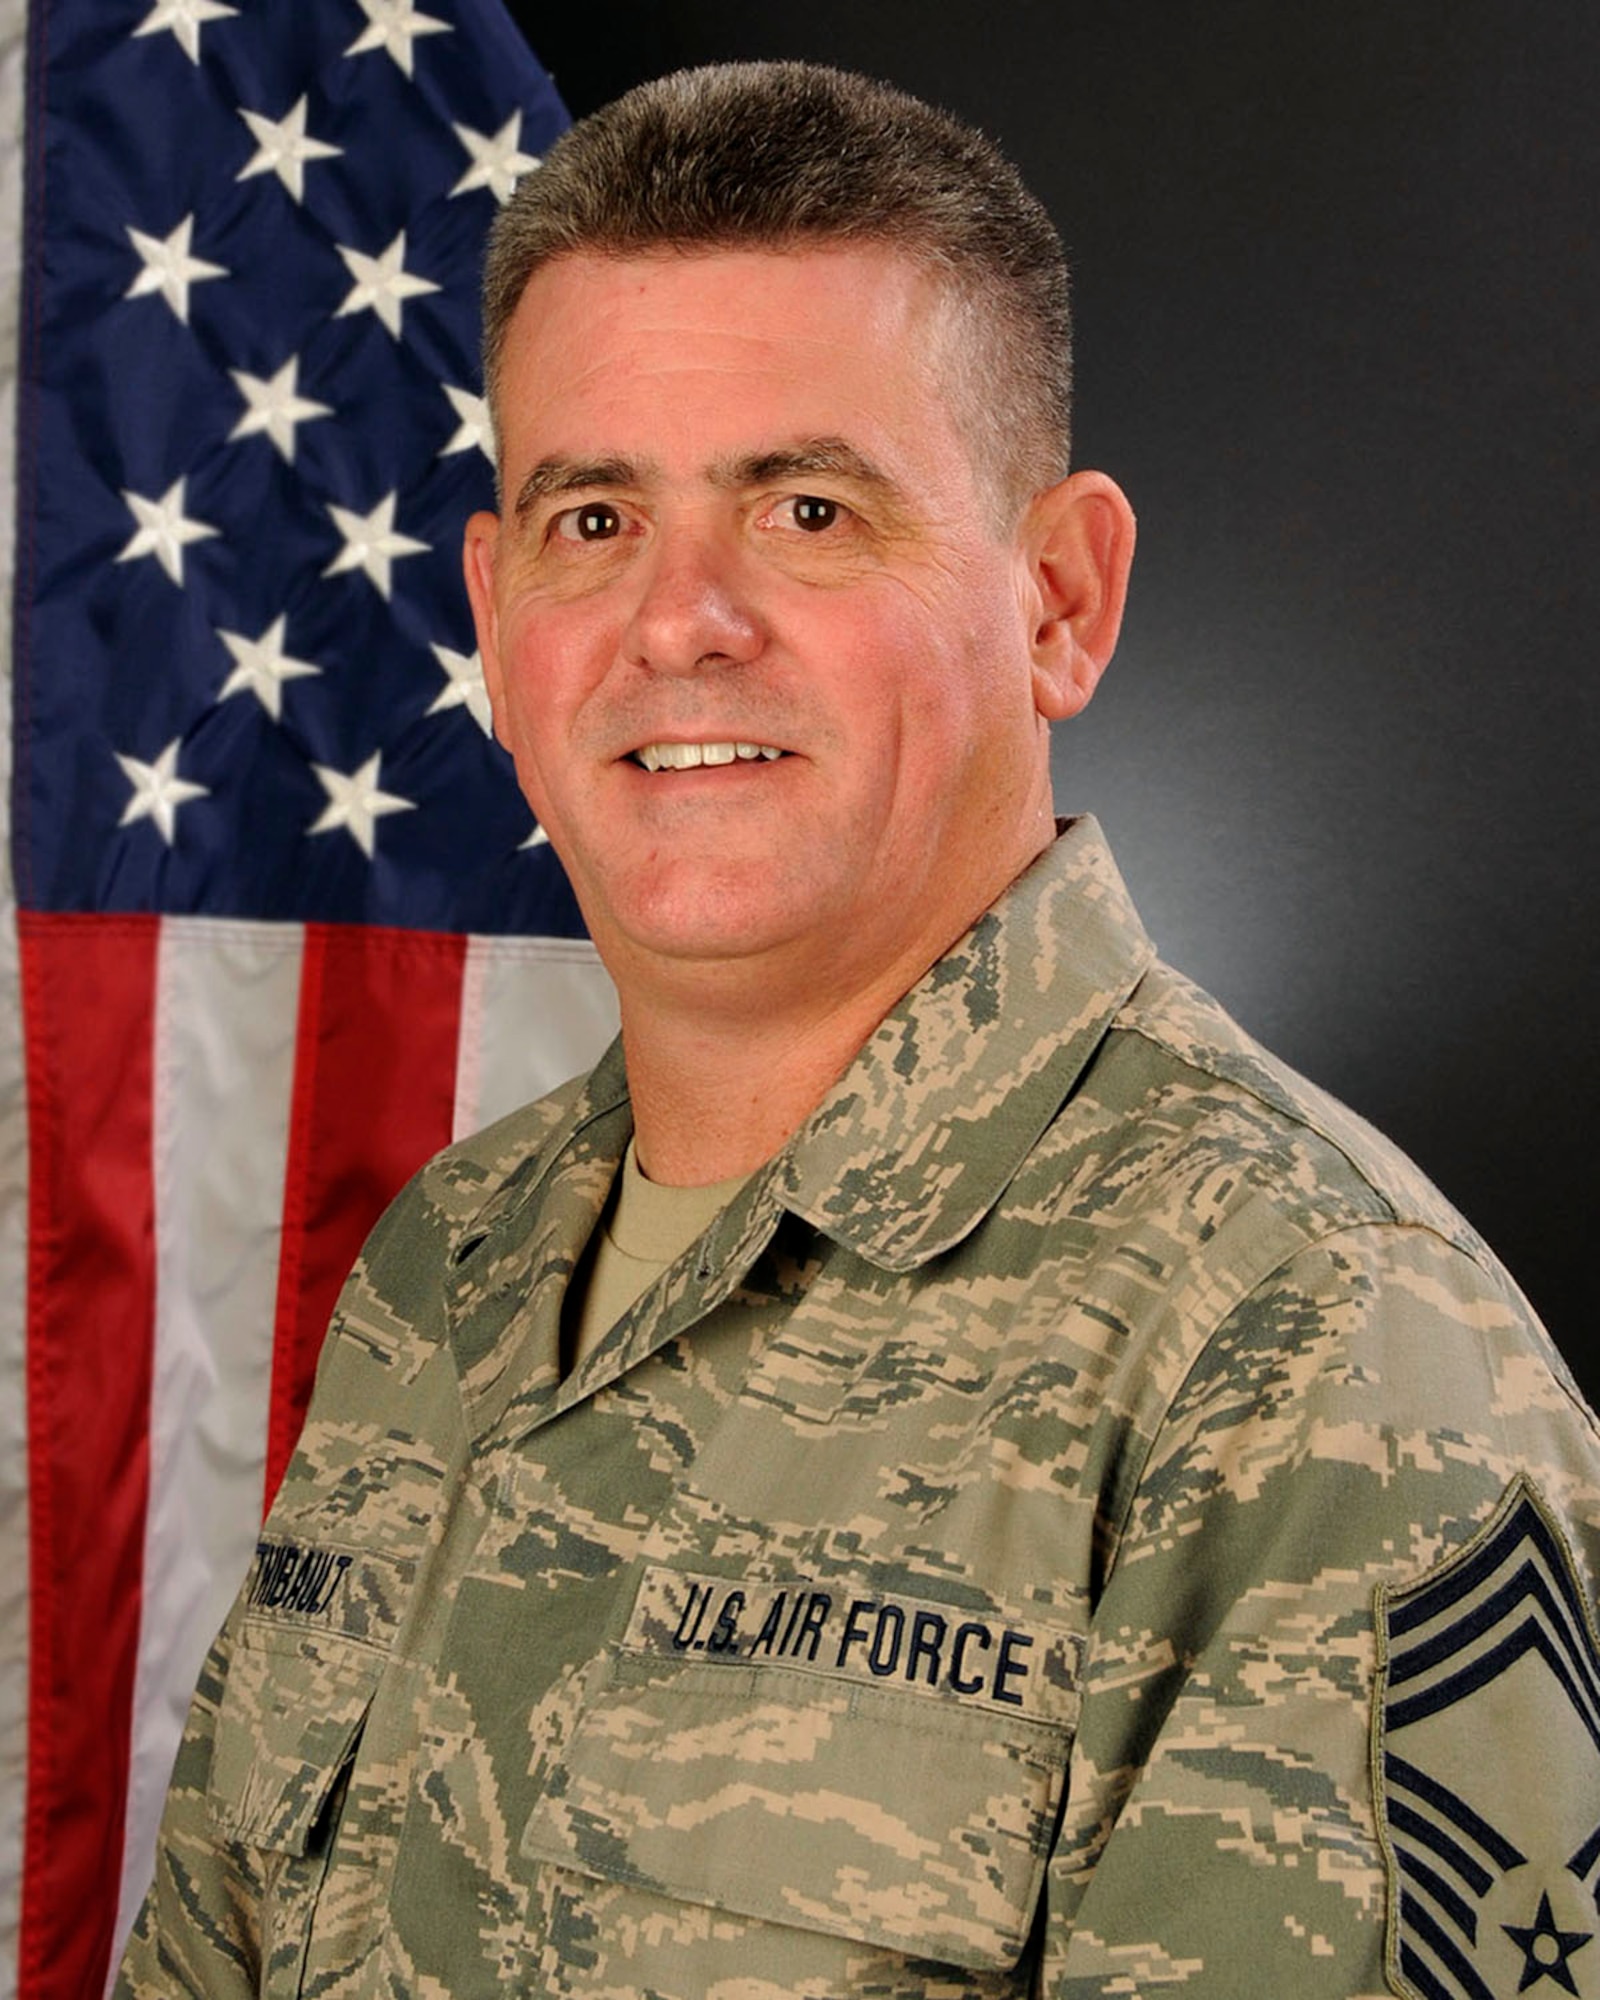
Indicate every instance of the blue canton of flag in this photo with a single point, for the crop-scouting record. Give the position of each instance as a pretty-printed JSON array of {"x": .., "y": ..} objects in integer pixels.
[{"x": 247, "y": 683}]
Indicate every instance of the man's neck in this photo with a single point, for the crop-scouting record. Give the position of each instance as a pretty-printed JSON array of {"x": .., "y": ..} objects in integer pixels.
[{"x": 717, "y": 1091}]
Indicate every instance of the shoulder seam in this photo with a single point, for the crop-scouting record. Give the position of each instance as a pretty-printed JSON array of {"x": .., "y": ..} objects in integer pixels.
[
  {"x": 1311, "y": 1240},
  {"x": 1293, "y": 1113}
]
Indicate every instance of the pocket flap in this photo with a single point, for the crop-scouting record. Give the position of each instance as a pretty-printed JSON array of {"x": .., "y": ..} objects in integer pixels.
[{"x": 290, "y": 1717}]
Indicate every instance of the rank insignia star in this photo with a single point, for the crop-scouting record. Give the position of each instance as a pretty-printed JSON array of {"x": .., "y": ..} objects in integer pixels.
[{"x": 1546, "y": 1949}]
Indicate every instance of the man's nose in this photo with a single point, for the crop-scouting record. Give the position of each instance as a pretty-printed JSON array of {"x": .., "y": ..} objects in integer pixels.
[{"x": 695, "y": 612}]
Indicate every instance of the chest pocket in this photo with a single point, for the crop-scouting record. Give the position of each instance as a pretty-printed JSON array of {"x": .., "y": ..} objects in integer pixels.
[
  {"x": 860, "y": 1804},
  {"x": 301, "y": 1676}
]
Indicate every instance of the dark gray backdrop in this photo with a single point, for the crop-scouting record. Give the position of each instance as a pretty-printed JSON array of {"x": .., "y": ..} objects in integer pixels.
[{"x": 1338, "y": 326}]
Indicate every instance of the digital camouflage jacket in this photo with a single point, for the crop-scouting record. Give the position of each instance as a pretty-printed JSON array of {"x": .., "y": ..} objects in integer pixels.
[{"x": 1087, "y": 1519}]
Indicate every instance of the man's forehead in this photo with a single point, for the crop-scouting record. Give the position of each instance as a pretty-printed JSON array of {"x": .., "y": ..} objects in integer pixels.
[
  {"x": 727, "y": 365},
  {"x": 814, "y": 291},
  {"x": 806, "y": 259}
]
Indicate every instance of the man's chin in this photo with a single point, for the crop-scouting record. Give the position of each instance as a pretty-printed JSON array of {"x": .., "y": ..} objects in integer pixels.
[
  {"x": 694, "y": 918},
  {"x": 689, "y": 939}
]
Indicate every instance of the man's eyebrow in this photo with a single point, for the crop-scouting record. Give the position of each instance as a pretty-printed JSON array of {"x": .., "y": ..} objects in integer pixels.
[
  {"x": 574, "y": 475},
  {"x": 831, "y": 455}
]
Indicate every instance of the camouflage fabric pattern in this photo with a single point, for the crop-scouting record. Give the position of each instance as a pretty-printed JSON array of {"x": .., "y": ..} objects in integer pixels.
[{"x": 963, "y": 1574}]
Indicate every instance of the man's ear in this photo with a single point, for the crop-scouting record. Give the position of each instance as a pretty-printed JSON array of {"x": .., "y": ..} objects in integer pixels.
[
  {"x": 1079, "y": 537},
  {"x": 477, "y": 563}
]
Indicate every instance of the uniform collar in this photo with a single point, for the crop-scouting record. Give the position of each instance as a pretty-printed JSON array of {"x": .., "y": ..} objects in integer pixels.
[
  {"x": 903, "y": 1157},
  {"x": 921, "y": 1134},
  {"x": 948, "y": 1095}
]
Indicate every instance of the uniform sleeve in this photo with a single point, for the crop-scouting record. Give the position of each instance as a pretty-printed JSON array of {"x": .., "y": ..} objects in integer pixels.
[
  {"x": 1310, "y": 1708},
  {"x": 258, "y": 1787},
  {"x": 198, "y": 1932}
]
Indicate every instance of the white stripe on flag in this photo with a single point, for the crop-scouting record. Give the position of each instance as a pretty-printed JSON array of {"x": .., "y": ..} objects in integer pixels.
[
  {"x": 534, "y": 1011},
  {"x": 13, "y": 1100},
  {"x": 227, "y": 1001}
]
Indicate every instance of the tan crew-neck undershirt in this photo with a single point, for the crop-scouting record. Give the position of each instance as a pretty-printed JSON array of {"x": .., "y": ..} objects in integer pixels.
[{"x": 644, "y": 1228}]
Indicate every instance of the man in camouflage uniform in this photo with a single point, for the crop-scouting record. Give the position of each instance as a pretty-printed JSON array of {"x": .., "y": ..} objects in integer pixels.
[{"x": 938, "y": 1469}]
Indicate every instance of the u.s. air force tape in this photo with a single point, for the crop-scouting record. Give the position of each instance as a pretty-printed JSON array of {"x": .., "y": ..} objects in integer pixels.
[{"x": 1010, "y": 1661}]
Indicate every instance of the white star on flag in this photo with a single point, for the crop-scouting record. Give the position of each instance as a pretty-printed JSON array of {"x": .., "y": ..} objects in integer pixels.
[
  {"x": 498, "y": 161},
  {"x": 283, "y": 147},
  {"x": 158, "y": 791},
  {"x": 182, "y": 19},
  {"x": 168, "y": 267},
  {"x": 381, "y": 283},
  {"x": 371, "y": 542},
  {"x": 473, "y": 426},
  {"x": 463, "y": 687},
  {"x": 538, "y": 838},
  {"x": 356, "y": 803},
  {"x": 261, "y": 666},
  {"x": 274, "y": 405},
  {"x": 164, "y": 530},
  {"x": 394, "y": 25}
]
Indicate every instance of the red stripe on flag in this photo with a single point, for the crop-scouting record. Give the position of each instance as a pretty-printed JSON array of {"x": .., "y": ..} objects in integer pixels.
[
  {"x": 374, "y": 1096},
  {"x": 88, "y": 997}
]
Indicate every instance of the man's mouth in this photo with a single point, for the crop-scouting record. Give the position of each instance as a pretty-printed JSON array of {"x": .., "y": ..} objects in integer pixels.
[{"x": 690, "y": 756}]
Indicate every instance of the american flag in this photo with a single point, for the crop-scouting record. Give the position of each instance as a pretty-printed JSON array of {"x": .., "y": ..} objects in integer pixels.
[{"x": 280, "y": 923}]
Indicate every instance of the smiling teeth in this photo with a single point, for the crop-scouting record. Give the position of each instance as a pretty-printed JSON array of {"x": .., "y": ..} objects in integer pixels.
[{"x": 690, "y": 756}]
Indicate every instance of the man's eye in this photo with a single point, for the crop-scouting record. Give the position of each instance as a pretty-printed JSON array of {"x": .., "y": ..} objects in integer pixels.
[
  {"x": 596, "y": 521},
  {"x": 812, "y": 513}
]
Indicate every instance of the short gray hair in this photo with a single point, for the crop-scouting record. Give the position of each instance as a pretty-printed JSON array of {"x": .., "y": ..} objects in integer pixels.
[{"x": 775, "y": 155}]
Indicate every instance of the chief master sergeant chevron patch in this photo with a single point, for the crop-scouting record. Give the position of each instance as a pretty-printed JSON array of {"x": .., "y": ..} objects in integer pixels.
[{"x": 1494, "y": 1872}]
